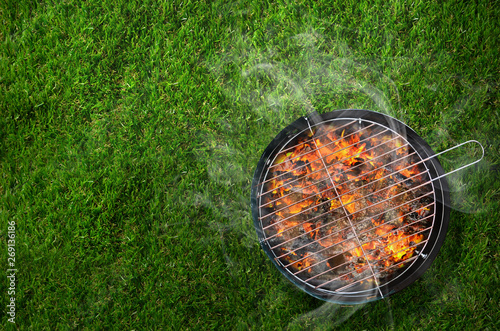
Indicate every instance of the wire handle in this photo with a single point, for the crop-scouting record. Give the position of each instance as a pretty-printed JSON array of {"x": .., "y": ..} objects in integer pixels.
[{"x": 462, "y": 167}]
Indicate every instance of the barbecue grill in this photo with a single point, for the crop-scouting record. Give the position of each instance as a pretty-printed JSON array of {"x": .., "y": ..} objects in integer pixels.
[{"x": 351, "y": 206}]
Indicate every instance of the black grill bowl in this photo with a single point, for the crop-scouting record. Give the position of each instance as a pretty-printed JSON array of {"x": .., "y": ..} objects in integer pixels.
[{"x": 359, "y": 294}]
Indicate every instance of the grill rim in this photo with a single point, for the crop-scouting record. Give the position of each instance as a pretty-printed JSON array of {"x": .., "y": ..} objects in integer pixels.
[{"x": 440, "y": 190}]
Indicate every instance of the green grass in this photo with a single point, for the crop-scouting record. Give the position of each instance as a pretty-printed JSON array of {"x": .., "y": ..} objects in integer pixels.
[{"x": 130, "y": 131}]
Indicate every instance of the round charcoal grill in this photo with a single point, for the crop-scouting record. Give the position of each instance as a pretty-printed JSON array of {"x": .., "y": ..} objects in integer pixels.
[{"x": 351, "y": 206}]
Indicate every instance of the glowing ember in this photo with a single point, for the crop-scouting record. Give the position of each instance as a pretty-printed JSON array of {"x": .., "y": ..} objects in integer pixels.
[{"x": 346, "y": 203}]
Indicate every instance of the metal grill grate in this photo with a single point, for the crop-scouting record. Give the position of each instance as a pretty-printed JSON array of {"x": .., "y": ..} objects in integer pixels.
[{"x": 346, "y": 206}]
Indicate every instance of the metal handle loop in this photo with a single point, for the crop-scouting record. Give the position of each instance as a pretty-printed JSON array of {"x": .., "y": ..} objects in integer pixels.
[{"x": 462, "y": 167}]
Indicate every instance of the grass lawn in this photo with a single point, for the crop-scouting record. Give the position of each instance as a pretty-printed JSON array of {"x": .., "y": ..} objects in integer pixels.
[{"x": 130, "y": 130}]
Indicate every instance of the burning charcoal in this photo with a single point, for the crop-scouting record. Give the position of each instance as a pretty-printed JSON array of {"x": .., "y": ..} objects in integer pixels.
[
  {"x": 379, "y": 182},
  {"x": 372, "y": 199},
  {"x": 348, "y": 186},
  {"x": 308, "y": 165},
  {"x": 300, "y": 167},
  {"x": 358, "y": 168},
  {"x": 363, "y": 225},
  {"x": 391, "y": 216},
  {"x": 289, "y": 176},
  {"x": 399, "y": 198},
  {"x": 352, "y": 174},
  {"x": 422, "y": 190},
  {"x": 413, "y": 217},
  {"x": 398, "y": 177},
  {"x": 402, "y": 179},
  {"x": 319, "y": 267},
  {"x": 426, "y": 200},
  {"x": 325, "y": 207},
  {"x": 278, "y": 173},
  {"x": 266, "y": 221},
  {"x": 409, "y": 183},
  {"x": 336, "y": 260},
  {"x": 302, "y": 252},
  {"x": 294, "y": 233},
  {"x": 275, "y": 241}
]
